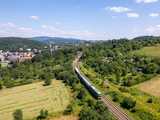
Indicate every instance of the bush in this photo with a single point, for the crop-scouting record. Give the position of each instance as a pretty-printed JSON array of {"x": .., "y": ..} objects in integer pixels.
[
  {"x": 68, "y": 110},
  {"x": 123, "y": 89},
  {"x": 149, "y": 100},
  {"x": 43, "y": 115},
  {"x": 97, "y": 112},
  {"x": 47, "y": 82},
  {"x": 128, "y": 103},
  {"x": 18, "y": 115},
  {"x": 133, "y": 110},
  {"x": 115, "y": 97},
  {"x": 1, "y": 85},
  {"x": 146, "y": 116}
]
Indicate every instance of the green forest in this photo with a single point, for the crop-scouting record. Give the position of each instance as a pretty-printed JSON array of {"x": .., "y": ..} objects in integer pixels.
[
  {"x": 113, "y": 61},
  {"x": 45, "y": 67},
  {"x": 117, "y": 69}
]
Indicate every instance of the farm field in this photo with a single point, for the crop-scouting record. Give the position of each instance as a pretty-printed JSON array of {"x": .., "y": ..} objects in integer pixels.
[
  {"x": 151, "y": 87},
  {"x": 153, "y": 51},
  {"x": 32, "y": 98},
  {"x": 69, "y": 117}
]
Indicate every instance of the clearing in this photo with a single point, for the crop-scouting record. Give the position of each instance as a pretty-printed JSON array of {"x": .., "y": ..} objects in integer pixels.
[
  {"x": 153, "y": 51},
  {"x": 32, "y": 98},
  {"x": 151, "y": 87}
]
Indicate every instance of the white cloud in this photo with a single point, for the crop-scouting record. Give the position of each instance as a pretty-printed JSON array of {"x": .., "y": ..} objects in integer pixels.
[
  {"x": 154, "y": 14},
  {"x": 44, "y": 26},
  {"x": 34, "y": 17},
  {"x": 118, "y": 9},
  {"x": 133, "y": 15},
  {"x": 25, "y": 28},
  {"x": 146, "y": 1},
  {"x": 153, "y": 30},
  {"x": 158, "y": 26},
  {"x": 11, "y": 29},
  {"x": 9, "y": 24}
]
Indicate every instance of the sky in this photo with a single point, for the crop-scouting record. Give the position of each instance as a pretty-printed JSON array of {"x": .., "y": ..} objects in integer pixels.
[{"x": 84, "y": 19}]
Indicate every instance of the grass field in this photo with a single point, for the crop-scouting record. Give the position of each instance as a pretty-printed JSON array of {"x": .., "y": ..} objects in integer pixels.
[
  {"x": 153, "y": 51},
  {"x": 32, "y": 98},
  {"x": 69, "y": 117},
  {"x": 151, "y": 87}
]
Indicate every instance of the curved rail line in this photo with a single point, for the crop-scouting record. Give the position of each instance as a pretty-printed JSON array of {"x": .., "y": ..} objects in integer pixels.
[{"x": 118, "y": 112}]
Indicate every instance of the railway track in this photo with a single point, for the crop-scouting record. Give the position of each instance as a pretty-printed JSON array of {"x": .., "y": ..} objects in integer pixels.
[{"x": 112, "y": 107}]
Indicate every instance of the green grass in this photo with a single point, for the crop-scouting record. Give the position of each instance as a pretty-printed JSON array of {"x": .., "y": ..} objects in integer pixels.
[
  {"x": 151, "y": 87},
  {"x": 133, "y": 92},
  {"x": 4, "y": 64},
  {"x": 153, "y": 51},
  {"x": 32, "y": 98}
]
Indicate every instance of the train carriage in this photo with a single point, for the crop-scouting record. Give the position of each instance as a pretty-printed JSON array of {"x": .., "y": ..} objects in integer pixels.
[{"x": 96, "y": 93}]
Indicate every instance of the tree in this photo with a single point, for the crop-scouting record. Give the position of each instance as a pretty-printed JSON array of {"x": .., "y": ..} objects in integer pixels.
[
  {"x": 95, "y": 112},
  {"x": 47, "y": 82},
  {"x": 115, "y": 97},
  {"x": 47, "y": 79},
  {"x": 1, "y": 85},
  {"x": 152, "y": 68},
  {"x": 43, "y": 115},
  {"x": 68, "y": 110},
  {"x": 128, "y": 103},
  {"x": 81, "y": 94},
  {"x": 18, "y": 115},
  {"x": 150, "y": 100}
]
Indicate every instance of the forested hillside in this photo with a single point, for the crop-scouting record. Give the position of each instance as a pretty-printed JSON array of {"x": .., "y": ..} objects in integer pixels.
[
  {"x": 14, "y": 43},
  {"x": 117, "y": 67},
  {"x": 58, "y": 40},
  {"x": 115, "y": 61}
]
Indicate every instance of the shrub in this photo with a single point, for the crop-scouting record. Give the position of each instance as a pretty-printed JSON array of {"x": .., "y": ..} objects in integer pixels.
[
  {"x": 115, "y": 97},
  {"x": 133, "y": 110},
  {"x": 128, "y": 103},
  {"x": 146, "y": 116},
  {"x": 123, "y": 89},
  {"x": 18, "y": 115},
  {"x": 150, "y": 100},
  {"x": 1, "y": 85},
  {"x": 47, "y": 82},
  {"x": 68, "y": 110},
  {"x": 43, "y": 115}
]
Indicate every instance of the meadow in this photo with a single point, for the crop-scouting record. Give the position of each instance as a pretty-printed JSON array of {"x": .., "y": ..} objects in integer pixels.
[
  {"x": 32, "y": 98},
  {"x": 153, "y": 51},
  {"x": 69, "y": 117},
  {"x": 151, "y": 87}
]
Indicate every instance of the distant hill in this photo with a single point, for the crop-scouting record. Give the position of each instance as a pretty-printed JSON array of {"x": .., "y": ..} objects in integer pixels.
[
  {"x": 13, "y": 43},
  {"x": 57, "y": 40}
]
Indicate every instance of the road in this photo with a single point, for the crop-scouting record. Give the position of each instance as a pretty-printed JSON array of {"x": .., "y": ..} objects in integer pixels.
[{"x": 118, "y": 112}]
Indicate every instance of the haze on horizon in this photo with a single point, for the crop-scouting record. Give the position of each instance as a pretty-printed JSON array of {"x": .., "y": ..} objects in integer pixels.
[{"x": 84, "y": 19}]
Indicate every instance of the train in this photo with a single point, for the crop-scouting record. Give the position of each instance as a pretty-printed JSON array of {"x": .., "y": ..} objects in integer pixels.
[{"x": 95, "y": 93}]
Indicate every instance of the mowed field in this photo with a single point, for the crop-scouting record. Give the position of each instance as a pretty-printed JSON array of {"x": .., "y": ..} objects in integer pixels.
[
  {"x": 32, "y": 98},
  {"x": 151, "y": 87},
  {"x": 153, "y": 51},
  {"x": 69, "y": 117}
]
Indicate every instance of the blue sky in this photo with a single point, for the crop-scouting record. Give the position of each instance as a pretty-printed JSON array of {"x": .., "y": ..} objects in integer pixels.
[{"x": 85, "y": 19}]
